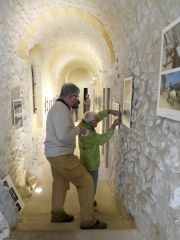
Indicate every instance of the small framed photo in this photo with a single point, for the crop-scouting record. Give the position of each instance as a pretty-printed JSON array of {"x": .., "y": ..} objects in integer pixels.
[
  {"x": 17, "y": 113},
  {"x": 18, "y": 206},
  {"x": 13, "y": 192},
  {"x": 168, "y": 104},
  {"x": 13, "y": 195},
  {"x": 127, "y": 101}
]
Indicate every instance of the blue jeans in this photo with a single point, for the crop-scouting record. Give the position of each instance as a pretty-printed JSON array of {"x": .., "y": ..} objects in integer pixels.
[{"x": 94, "y": 175}]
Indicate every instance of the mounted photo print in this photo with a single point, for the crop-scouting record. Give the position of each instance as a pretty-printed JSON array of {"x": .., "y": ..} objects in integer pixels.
[
  {"x": 13, "y": 192},
  {"x": 127, "y": 99},
  {"x": 168, "y": 104},
  {"x": 17, "y": 113}
]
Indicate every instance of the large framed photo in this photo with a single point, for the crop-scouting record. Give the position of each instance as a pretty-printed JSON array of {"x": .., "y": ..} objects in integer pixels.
[
  {"x": 17, "y": 113},
  {"x": 16, "y": 198},
  {"x": 127, "y": 100},
  {"x": 168, "y": 104}
]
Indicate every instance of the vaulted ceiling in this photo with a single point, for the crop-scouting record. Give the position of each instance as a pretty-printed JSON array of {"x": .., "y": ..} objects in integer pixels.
[{"x": 70, "y": 34}]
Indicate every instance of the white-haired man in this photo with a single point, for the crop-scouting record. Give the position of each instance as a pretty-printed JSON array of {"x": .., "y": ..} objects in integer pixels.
[
  {"x": 90, "y": 141},
  {"x": 65, "y": 166}
]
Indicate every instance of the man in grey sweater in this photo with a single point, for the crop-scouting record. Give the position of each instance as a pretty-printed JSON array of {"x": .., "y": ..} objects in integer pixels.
[{"x": 65, "y": 166}]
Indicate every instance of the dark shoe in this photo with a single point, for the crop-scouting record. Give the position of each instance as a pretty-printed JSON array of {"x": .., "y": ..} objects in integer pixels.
[
  {"x": 57, "y": 219},
  {"x": 95, "y": 203},
  {"x": 97, "y": 225}
]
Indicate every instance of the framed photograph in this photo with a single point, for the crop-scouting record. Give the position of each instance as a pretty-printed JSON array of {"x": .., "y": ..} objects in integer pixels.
[
  {"x": 16, "y": 198},
  {"x": 168, "y": 104},
  {"x": 127, "y": 100},
  {"x": 17, "y": 113},
  {"x": 13, "y": 195},
  {"x": 18, "y": 206}
]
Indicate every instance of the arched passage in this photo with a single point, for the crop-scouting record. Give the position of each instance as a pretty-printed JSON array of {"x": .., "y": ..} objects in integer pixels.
[{"x": 58, "y": 12}]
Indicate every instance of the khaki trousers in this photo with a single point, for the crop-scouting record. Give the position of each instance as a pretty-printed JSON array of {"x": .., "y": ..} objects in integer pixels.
[{"x": 65, "y": 169}]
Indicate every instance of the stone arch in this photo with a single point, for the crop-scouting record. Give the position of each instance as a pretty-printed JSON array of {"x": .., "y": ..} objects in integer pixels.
[{"x": 53, "y": 13}]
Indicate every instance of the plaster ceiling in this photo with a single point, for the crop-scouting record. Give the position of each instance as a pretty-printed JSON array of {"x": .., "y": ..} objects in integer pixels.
[
  {"x": 58, "y": 27},
  {"x": 67, "y": 35}
]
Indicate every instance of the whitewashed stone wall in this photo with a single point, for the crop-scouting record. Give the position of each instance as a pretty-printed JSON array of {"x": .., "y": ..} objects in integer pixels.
[
  {"x": 18, "y": 148},
  {"x": 15, "y": 144},
  {"x": 145, "y": 160}
]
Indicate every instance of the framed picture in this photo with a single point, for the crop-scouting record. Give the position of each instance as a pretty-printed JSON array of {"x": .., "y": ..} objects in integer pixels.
[
  {"x": 17, "y": 113},
  {"x": 168, "y": 104},
  {"x": 16, "y": 198},
  {"x": 127, "y": 99}
]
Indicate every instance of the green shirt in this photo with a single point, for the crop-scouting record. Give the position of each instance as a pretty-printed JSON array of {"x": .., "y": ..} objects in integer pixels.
[{"x": 90, "y": 142}]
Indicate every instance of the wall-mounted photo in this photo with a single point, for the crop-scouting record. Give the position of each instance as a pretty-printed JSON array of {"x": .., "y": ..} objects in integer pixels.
[
  {"x": 170, "y": 91},
  {"x": 168, "y": 104},
  {"x": 13, "y": 192},
  {"x": 48, "y": 103},
  {"x": 127, "y": 100},
  {"x": 13, "y": 195},
  {"x": 170, "y": 46},
  {"x": 18, "y": 206},
  {"x": 17, "y": 113}
]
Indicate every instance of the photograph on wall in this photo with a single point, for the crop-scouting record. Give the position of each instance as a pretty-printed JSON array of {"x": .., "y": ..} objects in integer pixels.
[
  {"x": 168, "y": 104},
  {"x": 13, "y": 192},
  {"x": 13, "y": 195},
  {"x": 17, "y": 113},
  {"x": 127, "y": 100},
  {"x": 171, "y": 46},
  {"x": 18, "y": 206}
]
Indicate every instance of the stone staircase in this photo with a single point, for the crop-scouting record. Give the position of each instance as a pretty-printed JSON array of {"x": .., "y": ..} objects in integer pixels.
[
  {"x": 35, "y": 219},
  {"x": 107, "y": 234},
  {"x": 37, "y": 226}
]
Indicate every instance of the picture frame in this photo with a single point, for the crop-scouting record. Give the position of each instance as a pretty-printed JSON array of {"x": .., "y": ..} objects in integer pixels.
[
  {"x": 13, "y": 192},
  {"x": 127, "y": 101},
  {"x": 168, "y": 103},
  {"x": 17, "y": 113}
]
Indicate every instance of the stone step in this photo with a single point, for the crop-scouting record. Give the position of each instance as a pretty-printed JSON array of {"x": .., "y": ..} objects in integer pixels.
[
  {"x": 41, "y": 222},
  {"x": 62, "y": 226},
  {"x": 107, "y": 234}
]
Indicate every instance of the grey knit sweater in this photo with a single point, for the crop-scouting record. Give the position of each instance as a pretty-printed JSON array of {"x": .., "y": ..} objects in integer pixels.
[{"x": 60, "y": 131}]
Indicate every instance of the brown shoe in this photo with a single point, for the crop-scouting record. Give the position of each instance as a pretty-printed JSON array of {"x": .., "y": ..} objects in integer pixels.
[
  {"x": 57, "y": 219},
  {"x": 97, "y": 225}
]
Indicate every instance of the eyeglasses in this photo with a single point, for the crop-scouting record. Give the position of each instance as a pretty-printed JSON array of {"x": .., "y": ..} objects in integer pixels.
[{"x": 77, "y": 96}]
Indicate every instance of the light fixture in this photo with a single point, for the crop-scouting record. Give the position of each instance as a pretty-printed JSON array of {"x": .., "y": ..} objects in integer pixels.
[
  {"x": 34, "y": 183},
  {"x": 31, "y": 180},
  {"x": 38, "y": 188}
]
